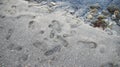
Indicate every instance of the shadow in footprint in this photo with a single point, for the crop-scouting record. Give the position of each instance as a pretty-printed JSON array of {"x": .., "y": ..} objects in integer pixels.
[
  {"x": 31, "y": 24},
  {"x": 9, "y": 34},
  {"x": 89, "y": 44},
  {"x": 14, "y": 47},
  {"x": 53, "y": 50},
  {"x": 62, "y": 41}
]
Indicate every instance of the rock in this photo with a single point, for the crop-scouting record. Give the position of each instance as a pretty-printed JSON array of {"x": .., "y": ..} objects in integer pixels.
[
  {"x": 112, "y": 8},
  {"x": 89, "y": 16},
  {"x": 51, "y": 4},
  {"x": 118, "y": 16},
  {"x": 105, "y": 13},
  {"x": 97, "y": 6},
  {"x": 53, "y": 50}
]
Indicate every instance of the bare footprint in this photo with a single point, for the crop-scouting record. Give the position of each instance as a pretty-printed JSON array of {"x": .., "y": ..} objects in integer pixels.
[
  {"x": 62, "y": 41},
  {"x": 23, "y": 57},
  {"x": 53, "y": 50},
  {"x": 40, "y": 45},
  {"x": 89, "y": 44},
  {"x": 14, "y": 47},
  {"x": 55, "y": 25},
  {"x": 31, "y": 24},
  {"x": 9, "y": 34}
]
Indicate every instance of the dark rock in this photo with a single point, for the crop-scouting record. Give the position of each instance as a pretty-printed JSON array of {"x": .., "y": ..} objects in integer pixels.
[
  {"x": 97, "y": 6},
  {"x": 118, "y": 16},
  {"x": 105, "y": 12},
  {"x": 53, "y": 50},
  {"x": 112, "y": 8}
]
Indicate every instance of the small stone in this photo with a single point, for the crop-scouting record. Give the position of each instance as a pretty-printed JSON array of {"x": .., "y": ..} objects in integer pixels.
[
  {"x": 118, "y": 16},
  {"x": 106, "y": 13},
  {"x": 95, "y": 6}
]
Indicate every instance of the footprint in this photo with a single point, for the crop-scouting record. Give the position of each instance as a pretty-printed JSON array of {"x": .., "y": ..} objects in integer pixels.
[
  {"x": 10, "y": 46},
  {"x": 14, "y": 47},
  {"x": 118, "y": 51},
  {"x": 89, "y": 44},
  {"x": 30, "y": 25},
  {"x": 56, "y": 26},
  {"x": 40, "y": 45},
  {"x": 19, "y": 65},
  {"x": 108, "y": 65},
  {"x": 42, "y": 32},
  {"x": 24, "y": 57},
  {"x": 53, "y": 50},
  {"x": 52, "y": 34},
  {"x": 1, "y": 16},
  {"x": 62, "y": 41},
  {"x": 9, "y": 34},
  {"x": 18, "y": 48}
]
